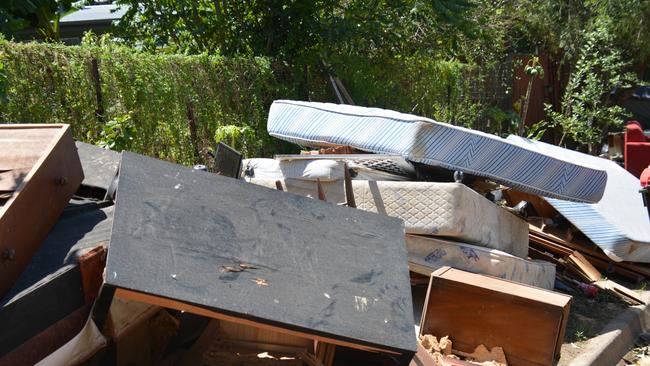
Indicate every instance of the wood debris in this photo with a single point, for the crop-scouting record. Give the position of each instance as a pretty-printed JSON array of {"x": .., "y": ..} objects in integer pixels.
[
  {"x": 483, "y": 356},
  {"x": 260, "y": 282},
  {"x": 443, "y": 353},
  {"x": 431, "y": 344},
  {"x": 247, "y": 266},
  {"x": 231, "y": 269},
  {"x": 583, "y": 262}
]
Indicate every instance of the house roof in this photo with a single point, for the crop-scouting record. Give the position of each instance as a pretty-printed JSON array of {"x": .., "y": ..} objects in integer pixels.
[{"x": 94, "y": 14}]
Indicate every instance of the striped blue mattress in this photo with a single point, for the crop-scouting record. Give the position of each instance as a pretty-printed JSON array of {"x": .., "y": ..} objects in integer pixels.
[
  {"x": 619, "y": 222},
  {"x": 429, "y": 142}
]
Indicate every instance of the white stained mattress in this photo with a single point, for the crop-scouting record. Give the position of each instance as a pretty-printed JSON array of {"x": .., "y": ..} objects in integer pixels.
[
  {"x": 314, "y": 168},
  {"x": 428, "y": 254},
  {"x": 439, "y": 209},
  {"x": 334, "y": 190},
  {"x": 327, "y": 170},
  {"x": 445, "y": 209},
  {"x": 430, "y": 142}
]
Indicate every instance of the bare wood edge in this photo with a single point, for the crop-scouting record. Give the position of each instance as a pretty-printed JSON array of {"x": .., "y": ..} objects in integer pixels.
[
  {"x": 321, "y": 191},
  {"x": 181, "y": 306},
  {"x": 347, "y": 185},
  {"x": 426, "y": 298},
  {"x": 55, "y": 141}
]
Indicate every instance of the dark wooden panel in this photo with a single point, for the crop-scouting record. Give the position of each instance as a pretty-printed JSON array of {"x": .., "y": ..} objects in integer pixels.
[
  {"x": 474, "y": 309},
  {"x": 49, "y": 340},
  {"x": 33, "y": 311},
  {"x": 316, "y": 268},
  {"x": 99, "y": 165},
  {"x": 30, "y": 213}
]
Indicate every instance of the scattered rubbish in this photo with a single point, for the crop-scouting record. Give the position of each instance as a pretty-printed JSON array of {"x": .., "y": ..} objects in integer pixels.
[{"x": 155, "y": 263}]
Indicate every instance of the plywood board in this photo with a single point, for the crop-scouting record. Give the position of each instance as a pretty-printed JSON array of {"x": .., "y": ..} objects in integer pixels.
[
  {"x": 100, "y": 165},
  {"x": 240, "y": 251}
]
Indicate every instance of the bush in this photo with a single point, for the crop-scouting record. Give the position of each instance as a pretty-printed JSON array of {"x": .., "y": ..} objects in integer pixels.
[
  {"x": 173, "y": 105},
  {"x": 176, "y": 107}
]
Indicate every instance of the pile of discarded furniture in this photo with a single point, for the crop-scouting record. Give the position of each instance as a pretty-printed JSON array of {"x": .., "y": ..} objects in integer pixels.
[{"x": 321, "y": 258}]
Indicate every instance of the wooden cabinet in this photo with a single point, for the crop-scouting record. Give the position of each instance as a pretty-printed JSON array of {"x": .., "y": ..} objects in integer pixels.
[
  {"x": 473, "y": 309},
  {"x": 39, "y": 173}
]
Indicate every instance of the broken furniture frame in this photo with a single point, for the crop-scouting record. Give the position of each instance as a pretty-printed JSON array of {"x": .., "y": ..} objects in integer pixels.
[
  {"x": 324, "y": 347},
  {"x": 39, "y": 172}
]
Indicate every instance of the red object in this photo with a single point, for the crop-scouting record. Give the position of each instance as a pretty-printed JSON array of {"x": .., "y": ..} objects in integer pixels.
[
  {"x": 588, "y": 290},
  {"x": 637, "y": 149},
  {"x": 645, "y": 177}
]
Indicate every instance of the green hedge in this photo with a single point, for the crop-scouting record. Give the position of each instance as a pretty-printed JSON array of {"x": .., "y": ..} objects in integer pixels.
[
  {"x": 148, "y": 102},
  {"x": 176, "y": 107}
]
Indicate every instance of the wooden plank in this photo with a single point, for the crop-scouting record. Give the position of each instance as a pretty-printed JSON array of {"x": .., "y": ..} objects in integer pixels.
[
  {"x": 313, "y": 268},
  {"x": 349, "y": 191},
  {"x": 321, "y": 191},
  {"x": 41, "y": 198},
  {"x": 49, "y": 340},
  {"x": 589, "y": 249},
  {"x": 91, "y": 265},
  {"x": 551, "y": 246},
  {"x": 621, "y": 291},
  {"x": 604, "y": 265},
  {"x": 172, "y": 304},
  {"x": 585, "y": 266},
  {"x": 474, "y": 309},
  {"x": 543, "y": 232},
  {"x": 543, "y": 255},
  {"x": 542, "y": 207}
]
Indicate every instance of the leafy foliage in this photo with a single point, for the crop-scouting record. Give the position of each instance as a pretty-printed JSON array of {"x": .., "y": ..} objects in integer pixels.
[
  {"x": 293, "y": 30},
  {"x": 43, "y": 15},
  {"x": 145, "y": 96},
  {"x": 588, "y": 109},
  {"x": 118, "y": 134}
]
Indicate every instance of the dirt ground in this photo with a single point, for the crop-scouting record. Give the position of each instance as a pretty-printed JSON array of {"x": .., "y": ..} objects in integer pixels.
[{"x": 588, "y": 317}]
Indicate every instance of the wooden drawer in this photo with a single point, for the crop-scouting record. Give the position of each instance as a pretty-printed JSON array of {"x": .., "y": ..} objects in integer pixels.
[
  {"x": 473, "y": 309},
  {"x": 39, "y": 172}
]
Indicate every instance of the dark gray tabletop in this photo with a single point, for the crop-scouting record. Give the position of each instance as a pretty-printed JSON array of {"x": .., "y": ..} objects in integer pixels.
[{"x": 319, "y": 268}]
